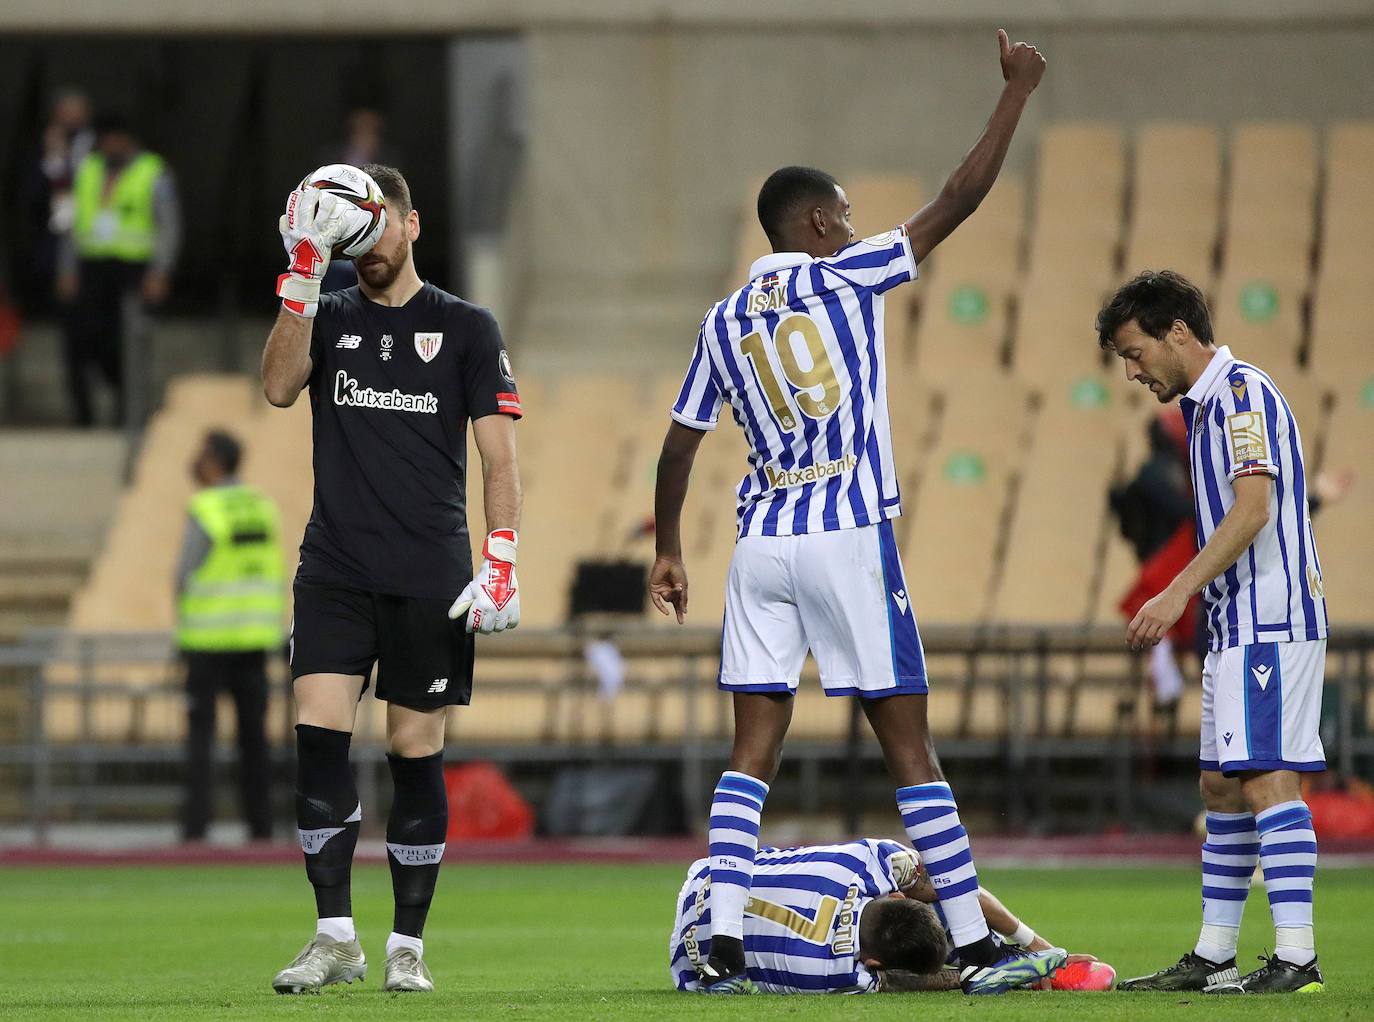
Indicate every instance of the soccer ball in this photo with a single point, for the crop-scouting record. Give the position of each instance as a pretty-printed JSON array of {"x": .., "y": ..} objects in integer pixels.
[{"x": 362, "y": 209}]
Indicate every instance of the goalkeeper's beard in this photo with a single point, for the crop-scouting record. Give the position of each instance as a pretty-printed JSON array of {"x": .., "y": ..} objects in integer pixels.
[{"x": 381, "y": 274}]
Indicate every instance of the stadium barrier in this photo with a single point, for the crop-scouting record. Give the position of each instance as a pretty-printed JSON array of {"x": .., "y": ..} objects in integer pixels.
[{"x": 97, "y": 721}]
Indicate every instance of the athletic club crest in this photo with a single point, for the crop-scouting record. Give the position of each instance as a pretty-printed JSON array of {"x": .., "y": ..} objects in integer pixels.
[{"x": 427, "y": 345}]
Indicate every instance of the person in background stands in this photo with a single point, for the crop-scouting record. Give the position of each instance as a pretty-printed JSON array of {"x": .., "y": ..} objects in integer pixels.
[
  {"x": 125, "y": 234},
  {"x": 231, "y": 590}
]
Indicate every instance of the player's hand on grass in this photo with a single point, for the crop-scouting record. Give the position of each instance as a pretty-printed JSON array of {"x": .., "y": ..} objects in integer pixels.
[
  {"x": 310, "y": 228},
  {"x": 492, "y": 599},
  {"x": 1021, "y": 63},
  {"x": 668, "y": 585},
  {"x": 1153, "y": 621}
]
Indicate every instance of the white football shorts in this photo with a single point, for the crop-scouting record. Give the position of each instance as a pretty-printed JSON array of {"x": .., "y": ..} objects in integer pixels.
[
  {"x": 841, "y": 594},
  {"x": 1262, "y": 707}
]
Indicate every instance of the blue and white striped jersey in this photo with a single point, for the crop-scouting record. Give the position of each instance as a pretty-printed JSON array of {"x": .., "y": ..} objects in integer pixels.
[
  {"x": 801, "y": 923},
  {"x": 798, "y": 353},
  {"x": 1238, "y": 425}
]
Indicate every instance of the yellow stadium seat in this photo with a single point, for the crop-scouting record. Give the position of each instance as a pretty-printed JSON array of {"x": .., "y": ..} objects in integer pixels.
[
  {"x": 1260, "y": 319},
  {"x": 1341, "y": 316},
  {"x": 1345, "y": 541},
  {"x": 962, "y": 330},
  {"x": 1060, "y": 512},
  {"x": 1191, "y": 255},
  {"x": 1056, "y": 337}
]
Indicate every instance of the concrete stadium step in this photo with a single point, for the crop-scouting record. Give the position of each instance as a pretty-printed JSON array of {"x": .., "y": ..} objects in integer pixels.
[{"x": 60, "y": 488}]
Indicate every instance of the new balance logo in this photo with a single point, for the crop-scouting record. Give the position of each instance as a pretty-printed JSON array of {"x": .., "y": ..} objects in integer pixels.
[
  {"x": 899, "y": 598},
  {"x": 1261, "y": 675},
  {"x": 440, "y": 684},
  {"x": 1228, "y": 736},
  {"x": 349, "y": 341}
]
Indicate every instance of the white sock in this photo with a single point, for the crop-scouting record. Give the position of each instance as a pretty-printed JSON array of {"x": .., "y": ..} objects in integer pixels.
[
  {"x": 1295, "y": 944},
  {"x": 1217, "y": 943},
  {"x": 397, "y": 941},
  {"x": 337, "y": 928}
]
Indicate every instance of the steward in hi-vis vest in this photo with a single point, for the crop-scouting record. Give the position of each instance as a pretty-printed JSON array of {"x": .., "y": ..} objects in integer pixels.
[
  {"x": 231, "y": 595},
  {"x": 235, "y": 599}
]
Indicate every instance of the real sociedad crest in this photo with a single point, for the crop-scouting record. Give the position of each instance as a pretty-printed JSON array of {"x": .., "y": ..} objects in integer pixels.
[{"x": 427, "y": 345}]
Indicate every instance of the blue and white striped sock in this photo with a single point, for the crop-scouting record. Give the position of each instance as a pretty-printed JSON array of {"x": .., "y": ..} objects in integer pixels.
[
  {"x": 734, "y": 841},
  {"x": 1288, "y": 856},
  {"x": 1229, "y": 856},
  {"x": 931, "y": 818}
]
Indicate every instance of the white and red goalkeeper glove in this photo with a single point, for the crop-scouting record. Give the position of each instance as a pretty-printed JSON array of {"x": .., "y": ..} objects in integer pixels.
[
  {"x": 310, "y": 228},
  {"x": 492, "y": 599}
]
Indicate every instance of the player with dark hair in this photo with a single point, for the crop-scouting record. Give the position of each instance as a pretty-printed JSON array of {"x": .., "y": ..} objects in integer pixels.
[
  {"x": 1261, "y": 583},
  {"x": 396, "y": 370},
  {"x": 857, "y": 917},
  {"x": 798, "y": 353}
]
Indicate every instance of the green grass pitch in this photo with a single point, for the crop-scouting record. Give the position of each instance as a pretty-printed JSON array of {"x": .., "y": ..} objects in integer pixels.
[{"x": 578, "y": 942}]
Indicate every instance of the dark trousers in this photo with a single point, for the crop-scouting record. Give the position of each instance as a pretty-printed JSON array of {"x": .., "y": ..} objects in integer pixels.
[
  {"x": 244, "y": 677},
  {"x": 93, "y": 341}
]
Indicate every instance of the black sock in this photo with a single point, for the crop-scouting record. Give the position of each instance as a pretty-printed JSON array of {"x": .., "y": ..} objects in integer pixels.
[
  {"x": 415, "y": 833},
  {"x": 328, "y": 815},
  {"x": 982, "y": 952},
  {"x": 727, "y": 953}
]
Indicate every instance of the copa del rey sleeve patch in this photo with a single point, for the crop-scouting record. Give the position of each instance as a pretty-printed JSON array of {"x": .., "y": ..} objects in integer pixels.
[{"x": 1247, "y": 435}]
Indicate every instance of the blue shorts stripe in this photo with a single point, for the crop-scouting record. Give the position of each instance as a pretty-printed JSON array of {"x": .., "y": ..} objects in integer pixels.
[
  {"x": 908, "y": 659},
  {"x": 1225, "y": 893},
  {"x": 1263, "y": 701}
]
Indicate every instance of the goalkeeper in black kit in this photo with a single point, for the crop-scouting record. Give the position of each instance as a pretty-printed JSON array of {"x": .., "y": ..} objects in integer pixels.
[{"x": 396, "y": 369}]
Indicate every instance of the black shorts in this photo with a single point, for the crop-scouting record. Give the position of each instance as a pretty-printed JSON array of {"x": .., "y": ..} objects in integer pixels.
[{"x": 423, "y": 659}]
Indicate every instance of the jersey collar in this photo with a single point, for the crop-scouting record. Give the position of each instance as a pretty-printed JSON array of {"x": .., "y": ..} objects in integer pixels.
[
  {"x": 1216, "y": 369},
  {"x": 778, "y": 261}
]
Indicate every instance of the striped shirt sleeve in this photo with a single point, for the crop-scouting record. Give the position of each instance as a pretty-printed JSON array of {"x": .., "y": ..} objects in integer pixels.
[
  {"x": 878, "y": 263},
  {"x": 698, "y": 402},
  {"x": 1250, "y": 441}
]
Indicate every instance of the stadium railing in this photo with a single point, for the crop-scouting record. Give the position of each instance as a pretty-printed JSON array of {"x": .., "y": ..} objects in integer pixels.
[{"x": 1012, "y": 708}]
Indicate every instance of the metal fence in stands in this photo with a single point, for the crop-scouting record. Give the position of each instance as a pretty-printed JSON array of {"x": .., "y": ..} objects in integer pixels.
[{"x": 1052, "y": 725}]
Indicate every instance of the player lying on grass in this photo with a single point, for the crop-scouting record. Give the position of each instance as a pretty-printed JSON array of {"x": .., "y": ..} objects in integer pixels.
[{"x": 850, "y": 918}]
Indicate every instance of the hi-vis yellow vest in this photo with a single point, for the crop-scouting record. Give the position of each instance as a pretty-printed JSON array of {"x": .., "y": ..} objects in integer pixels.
[
  {"x": 119, "y": 225},
  {"x": 236, "y": 599}
]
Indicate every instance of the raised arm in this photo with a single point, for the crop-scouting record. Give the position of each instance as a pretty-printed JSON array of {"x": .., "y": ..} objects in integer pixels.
[
  {"x": 309, "y": 229},
  {"x": 1022, "y": 68},
  {"x": 1232, "y": 537},
  {"x": 668, "y": 579}
]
